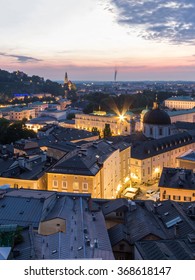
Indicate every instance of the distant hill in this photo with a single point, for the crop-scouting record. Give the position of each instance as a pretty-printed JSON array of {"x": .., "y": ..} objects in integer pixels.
[{"x": 19, "y": 82}]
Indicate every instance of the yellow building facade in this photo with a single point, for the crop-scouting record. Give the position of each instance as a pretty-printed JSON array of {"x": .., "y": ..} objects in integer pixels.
[
  {"x": 105, "y": 183},
  {"x": 39, "y": 184},
  {"x": 119, "y": 125},
  {"x": 177, "y": 194},
  {"x": 180, "y": 103},
  {"x": 147, "y": 160}
]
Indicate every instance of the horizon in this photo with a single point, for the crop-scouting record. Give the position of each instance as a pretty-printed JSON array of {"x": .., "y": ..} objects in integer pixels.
[{"x": 142, "y": 40}]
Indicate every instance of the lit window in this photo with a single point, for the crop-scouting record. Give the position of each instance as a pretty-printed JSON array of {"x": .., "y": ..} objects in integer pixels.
[
  {"x": 176, "y": 197},
  {"x": 75, "y": 186},
  {"x": 55, "y": 184},
  {"x": 85, "y": 186},
  {"x": 64, "y": 185},
  {"x": 187, "y": 198}
]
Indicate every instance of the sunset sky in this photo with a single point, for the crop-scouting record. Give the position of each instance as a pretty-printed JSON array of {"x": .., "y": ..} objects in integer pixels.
[{"x": 143, "y": 39}]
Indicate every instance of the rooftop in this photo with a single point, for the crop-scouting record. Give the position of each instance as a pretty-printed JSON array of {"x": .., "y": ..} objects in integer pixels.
[
  {"x": 177, "y": 178},
  {"x": 182, "y": 98},
  {"x": 166, "y": 249},
  {"x": 147, "y": 149},
  {"x": 84, "y": 161}
]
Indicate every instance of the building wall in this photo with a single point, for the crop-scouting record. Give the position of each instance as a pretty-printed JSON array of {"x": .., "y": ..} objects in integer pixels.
[
  {"x": 190, "y": 117},
  {"x": 180, "y": 195},
  {"x": 92, "y": 138},
  {"x": 156, "y": 131},
  {"x": 111, "y": 176},
  {"x": 144, "y": 170},
  {"x": 34, "y": 127},
  {"x": 105, "y": 184},
  {"x": 74, "y": 183},
  {"x": 38, "y": 107},
  {"x": 21, "y": 114},
  {"x": 180, "y": 104},
  {"x": 187, "y": 164},
  {"x": 125, "y": 165},
  {"x": 39, "y": 184},
  {"x": 117, "y": 126}
]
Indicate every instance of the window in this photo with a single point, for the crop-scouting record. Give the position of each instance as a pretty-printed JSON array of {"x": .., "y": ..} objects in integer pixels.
[
  {"x": 151, "y": 131},
  {"x": 166, "y": 196},
  {"x": 85, "y": 186},
  {"x": 75, "y": 186},
  {"x": 64, "y": 185},
  {"x": 160, "y": 132},
  {"x": 187, "y": 198},
  {"x": 55, "y": 184},
  {"x": 176, "y": 197},
  {"x": 148, "y": 170}
]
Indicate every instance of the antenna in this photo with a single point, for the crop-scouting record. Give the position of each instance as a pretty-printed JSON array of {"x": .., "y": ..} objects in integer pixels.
[{"x": 115, "y": 74}]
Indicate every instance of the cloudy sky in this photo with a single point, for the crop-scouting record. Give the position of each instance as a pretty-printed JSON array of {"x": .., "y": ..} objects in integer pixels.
[{"x": 143, "y": 39}]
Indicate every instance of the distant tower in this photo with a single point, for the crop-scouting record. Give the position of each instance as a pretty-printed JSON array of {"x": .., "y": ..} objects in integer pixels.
[
  {"x": 66, "y": 88},
  {"x": 115, "y": 74},
  {"x": 66, "y": 78}
]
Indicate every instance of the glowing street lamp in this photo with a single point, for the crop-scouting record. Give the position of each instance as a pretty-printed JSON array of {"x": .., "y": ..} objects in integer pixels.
[{"x": 121, "y": 117}]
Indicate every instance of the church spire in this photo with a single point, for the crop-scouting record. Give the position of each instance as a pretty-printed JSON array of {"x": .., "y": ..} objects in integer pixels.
[
  {"x": 156, "y": 103},
  {"x": 66, "y": 78}
]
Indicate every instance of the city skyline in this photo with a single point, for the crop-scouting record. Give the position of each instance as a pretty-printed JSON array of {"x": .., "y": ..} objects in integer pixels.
[{"x": 143, "y": 40}]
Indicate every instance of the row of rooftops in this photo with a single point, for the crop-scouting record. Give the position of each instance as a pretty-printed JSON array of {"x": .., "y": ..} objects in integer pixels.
[
  {"x": 86, "y": 235},
  {"x": 147, "y": 149},
  {"x": 87, "y": 157}
]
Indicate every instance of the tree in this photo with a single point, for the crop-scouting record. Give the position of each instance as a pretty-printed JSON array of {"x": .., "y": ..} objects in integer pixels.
[
  {"x": 107, "y": 131},
  {"x": 70, "y": 116},
  {"x": 95, "y": 129}
]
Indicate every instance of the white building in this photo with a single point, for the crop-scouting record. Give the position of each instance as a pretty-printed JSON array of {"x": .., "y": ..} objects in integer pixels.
[{"x": 180, "y": 102}]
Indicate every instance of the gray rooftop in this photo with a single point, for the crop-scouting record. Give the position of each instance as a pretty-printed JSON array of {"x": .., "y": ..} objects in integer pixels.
[
  {"x": 166, "y": 249},
  {"x": 147, "y": 149},
  {"x": 84, "y": 161},
  {"x": 177, "y": 178}
]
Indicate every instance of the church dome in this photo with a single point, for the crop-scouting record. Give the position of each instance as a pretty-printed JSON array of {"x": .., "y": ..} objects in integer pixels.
[{"x": 157, "y": 117}]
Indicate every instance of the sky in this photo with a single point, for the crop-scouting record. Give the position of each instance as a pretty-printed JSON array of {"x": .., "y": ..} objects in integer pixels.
[{"x": 89, "y": 39}]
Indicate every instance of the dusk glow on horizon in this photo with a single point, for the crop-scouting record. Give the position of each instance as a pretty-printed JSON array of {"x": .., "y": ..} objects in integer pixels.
[{"x": 89, "y": 39}]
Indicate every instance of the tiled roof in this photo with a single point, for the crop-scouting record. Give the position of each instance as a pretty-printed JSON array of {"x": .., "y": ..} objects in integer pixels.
[
  {"x": 165, "y": 250},
  {"x": 147, "y": 149}
]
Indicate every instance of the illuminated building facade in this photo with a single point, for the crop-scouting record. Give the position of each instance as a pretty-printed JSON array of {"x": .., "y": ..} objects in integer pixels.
[
  {"x": 180, "y": 102},
  {"x": 149, "y": 157},
  {"x": 119, "y": 125},
  {"x": 99, "y": 169},
  {"x": 177, "y": 184},
  {"x": 18, "y": 114}
]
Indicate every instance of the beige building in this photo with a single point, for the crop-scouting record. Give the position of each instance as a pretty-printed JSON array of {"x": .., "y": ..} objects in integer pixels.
[
  {"x": 119, "y": 125},
  {"x": 180, "y": 102},
  {"x": 187, "y": 160},
  {"x": 177, "y": 184},
  {"x": 149, "y": 157},
  {"x": 100, "y": 169},
  {"x": 38, "y": 106},
  {"x": 182, "y": 115},
  {"x": 18, "y": 114}
]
